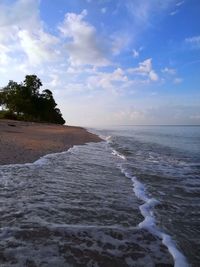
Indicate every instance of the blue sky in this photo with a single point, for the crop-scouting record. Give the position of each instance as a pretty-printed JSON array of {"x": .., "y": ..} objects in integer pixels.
[{"x": 107, "y": 61}]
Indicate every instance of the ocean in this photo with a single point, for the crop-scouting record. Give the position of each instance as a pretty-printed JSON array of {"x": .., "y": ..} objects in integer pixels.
[{"x": 130, "y": 200}]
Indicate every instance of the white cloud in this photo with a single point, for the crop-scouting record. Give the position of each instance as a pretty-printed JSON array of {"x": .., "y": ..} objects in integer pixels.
[
  {"x": 108, "y": 80},
  {"x": 55, "y": 81},
  {"x": 180, "y": 3},
  {"x": 39, "y": 47},
  {"x": 4, "y": 58},
  {"x": 177, "y": 80},
  {"x": 20, "y": 13},
  {"x": 177, "y": 8},
  {"x": 169, "y": 71},
  {"x": 153, "y": 75},
  {"x": 119, "y": 42},
  {"x": 75, "y": 70},
  {"x": 193, "y": 42},
  {"x": 22, "y": 34},
  {"x": 83, "y": 45},
  {"x": 145, "y": 68},
  {"x": 75, "y": 88},
  {"x": 135, "y": 53},
  {"x": 174, "y": 12},
  {"x": 144, "y": 10}
]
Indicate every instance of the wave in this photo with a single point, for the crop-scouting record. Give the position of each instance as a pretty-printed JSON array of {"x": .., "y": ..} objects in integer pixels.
[
  {"x": 146, "y": 209},
  {"x": 41, "y": 161},
  {"x": 116, "y": 153},
  {"x": 149, "y": 222},
  {"x": 108, "y": 139}
]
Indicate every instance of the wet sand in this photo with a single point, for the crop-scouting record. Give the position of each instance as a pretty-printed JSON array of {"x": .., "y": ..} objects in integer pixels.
[{"x": 25, "y": 142}]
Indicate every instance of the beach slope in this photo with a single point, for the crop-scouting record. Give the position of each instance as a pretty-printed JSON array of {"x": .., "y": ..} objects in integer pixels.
[{"x": 23, "y": 142}]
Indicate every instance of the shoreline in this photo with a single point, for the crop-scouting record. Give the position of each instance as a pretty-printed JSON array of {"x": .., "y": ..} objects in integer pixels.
[{"x": 25, "y": 142}]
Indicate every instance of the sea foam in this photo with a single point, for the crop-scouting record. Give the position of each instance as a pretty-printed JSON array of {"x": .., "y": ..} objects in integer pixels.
[
  {"x": 116, "y": 153},
  {"x": 146, "y": 209},
  {"x": 149, "y": 222}
]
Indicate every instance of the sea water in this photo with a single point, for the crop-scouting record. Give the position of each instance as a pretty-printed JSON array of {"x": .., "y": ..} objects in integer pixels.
[{"x": 131, "y": 200}]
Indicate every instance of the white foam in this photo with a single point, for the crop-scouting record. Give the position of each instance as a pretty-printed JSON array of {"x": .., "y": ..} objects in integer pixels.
[
  {"x": 116, "y": 153},
  {"x": 149, "y": 221},
  {"x": 106, "y": 138},
  {"x": 42, "y": 160},
  {"x": 179, "y": 258}
]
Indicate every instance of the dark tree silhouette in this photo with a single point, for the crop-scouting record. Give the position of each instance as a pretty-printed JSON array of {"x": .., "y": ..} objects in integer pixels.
[{"x": 25, "y": 101}]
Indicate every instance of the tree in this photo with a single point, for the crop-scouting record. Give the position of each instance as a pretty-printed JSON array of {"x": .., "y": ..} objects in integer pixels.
[
  {"x": 25, "y": 100},
  {"x": 10, "y": 97},
  {"x": 33, "y": 84}
]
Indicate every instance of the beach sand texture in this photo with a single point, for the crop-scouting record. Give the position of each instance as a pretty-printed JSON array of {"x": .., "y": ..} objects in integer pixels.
[{"x": 25, "y": 142}]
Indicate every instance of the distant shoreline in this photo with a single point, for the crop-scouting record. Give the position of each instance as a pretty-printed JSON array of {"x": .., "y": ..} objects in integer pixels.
[{"x": 25, "y": 142}]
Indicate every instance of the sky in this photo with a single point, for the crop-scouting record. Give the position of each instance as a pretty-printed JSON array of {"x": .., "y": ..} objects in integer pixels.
[{"x": 107, "y": 62}]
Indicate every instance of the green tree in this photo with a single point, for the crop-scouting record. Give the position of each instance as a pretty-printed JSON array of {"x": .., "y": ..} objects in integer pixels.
[
  {"x": 32, "y": 83},
  {"x": 10, "y": 97},
  {"x": 26, "y": 101}
]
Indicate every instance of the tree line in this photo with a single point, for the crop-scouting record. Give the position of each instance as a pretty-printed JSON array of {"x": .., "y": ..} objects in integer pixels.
[{"x": 23, "y": 101}]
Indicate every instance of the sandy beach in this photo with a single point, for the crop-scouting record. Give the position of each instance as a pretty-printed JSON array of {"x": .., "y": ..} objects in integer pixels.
[{"x": 24, "y": 142}]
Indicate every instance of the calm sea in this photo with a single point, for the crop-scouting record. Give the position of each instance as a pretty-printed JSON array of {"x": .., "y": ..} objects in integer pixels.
[{"x": 131, "y": 200}]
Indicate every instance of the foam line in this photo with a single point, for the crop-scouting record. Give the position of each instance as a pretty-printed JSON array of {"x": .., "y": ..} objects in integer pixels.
[
  {"x": 41, "y": 161},
  {"x": 149, "y": 222},
  {"x": 115, "y": 153}
]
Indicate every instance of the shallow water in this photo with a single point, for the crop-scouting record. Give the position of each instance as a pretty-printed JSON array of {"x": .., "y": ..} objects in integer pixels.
[
  {"x": 75, "y": 208},
  {"x": 166, "y": 160},
  {"x": 132, "y": 200}
]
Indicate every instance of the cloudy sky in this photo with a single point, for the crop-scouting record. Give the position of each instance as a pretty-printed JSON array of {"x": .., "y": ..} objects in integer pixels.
[{"x": 107, "y": 61}]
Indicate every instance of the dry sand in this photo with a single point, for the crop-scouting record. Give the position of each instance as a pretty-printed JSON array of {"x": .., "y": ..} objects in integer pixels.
[{"x": 23, "y": 142}]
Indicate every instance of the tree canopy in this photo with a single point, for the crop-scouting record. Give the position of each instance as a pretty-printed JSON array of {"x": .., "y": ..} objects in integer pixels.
[{"x": 24, "y": 101}]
